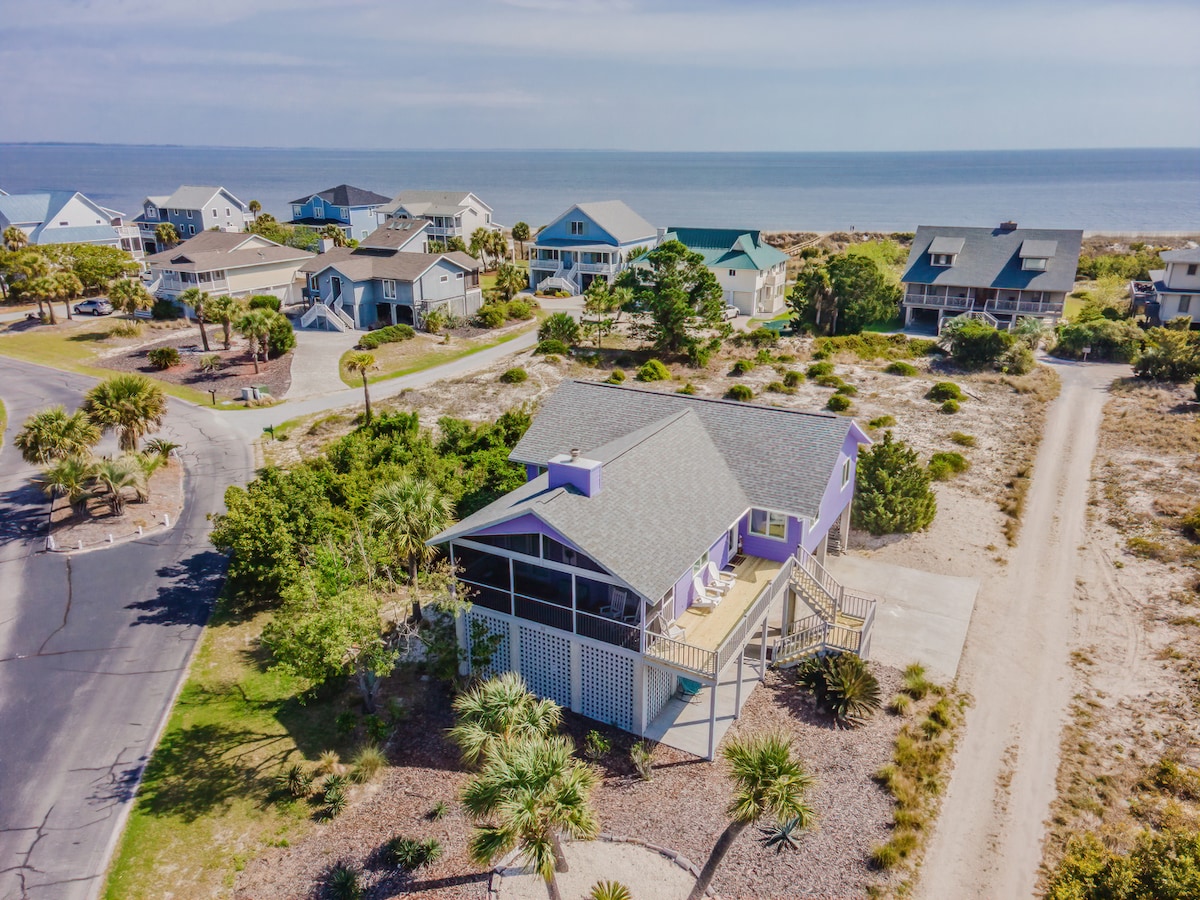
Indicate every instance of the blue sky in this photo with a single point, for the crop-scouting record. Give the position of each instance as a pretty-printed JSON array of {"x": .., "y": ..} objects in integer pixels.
[{"x": 622, "y": 74}]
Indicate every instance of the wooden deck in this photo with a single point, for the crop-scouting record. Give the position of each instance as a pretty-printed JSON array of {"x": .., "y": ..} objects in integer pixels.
[{"x": 707, "y": 628}]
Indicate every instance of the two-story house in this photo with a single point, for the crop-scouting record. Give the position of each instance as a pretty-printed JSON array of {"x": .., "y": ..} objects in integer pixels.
[
  {"x": 346, "y": 207},
  {"x": 662, "y": 542},
  {"x": 192, "y": 209},
  {"x": 999, "y": 275},
  {"x": 752, "y": 273},
  {"x": 389, "y": 279},
  {"x": 449, "y": 213},
  {"x": 68, "y": 217},
  {"x": 222, "y": 262},
  {"x": 1175, "y": 289},
  {"x": 588, "y": 241}
]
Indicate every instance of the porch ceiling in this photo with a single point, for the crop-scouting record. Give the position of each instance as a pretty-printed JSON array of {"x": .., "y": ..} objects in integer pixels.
[{"x": 708, "y": 628}]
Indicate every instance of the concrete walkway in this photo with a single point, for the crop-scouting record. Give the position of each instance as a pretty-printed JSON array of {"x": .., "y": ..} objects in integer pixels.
[
  {"x": 921, "y": 617},
  {"x": 684, "y": 725},
  {"x": 315, "y": 369}
]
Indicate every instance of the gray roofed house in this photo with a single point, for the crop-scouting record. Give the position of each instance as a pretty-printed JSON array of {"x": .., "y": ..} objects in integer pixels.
[
  {"x": 996, "y": 274},
  {"x": 225, "y": 263},
  {"x": 191, "y": 209},
  {"x": 67, "y": 217},
  {"x": 1174, "y": 291},
  {"x": 450, "y": 214},
  {"x": 348, "y": 208},
  {"x": 588, "y": 241},
  {"x": 606, "y": 554}
]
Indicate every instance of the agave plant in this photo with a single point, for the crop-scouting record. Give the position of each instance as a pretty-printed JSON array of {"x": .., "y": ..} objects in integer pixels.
[
  {"x": 343, "y": 882},
  {"x": 784, "y": 835},
  {"x": 844, "y": 688}
]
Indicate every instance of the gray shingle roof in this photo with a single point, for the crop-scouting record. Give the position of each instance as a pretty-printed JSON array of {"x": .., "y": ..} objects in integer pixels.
[
  {"x": 193, "y": 196},
  {"x": 364, "y": 265},
  {"x": 654, "y": 479},
  {"x": 211, "y": 250},
  {"x": 946, "y": 245},
  {"x": 347, "y": 195},
  {"x": 432, "y": 203},
  {"x": 782, "y": 458},
  {"x": 1190, "y": 255},
  {"x": 990, "y": 257}
]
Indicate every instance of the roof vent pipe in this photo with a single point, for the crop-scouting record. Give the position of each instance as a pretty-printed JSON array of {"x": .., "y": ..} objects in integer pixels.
[
  {"x": 1008, "y": 226},
  {"x": 574, "y": 454}
]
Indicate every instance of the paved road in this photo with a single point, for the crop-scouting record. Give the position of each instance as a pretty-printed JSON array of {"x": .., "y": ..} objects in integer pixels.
[{"x": 92, "y": 649}]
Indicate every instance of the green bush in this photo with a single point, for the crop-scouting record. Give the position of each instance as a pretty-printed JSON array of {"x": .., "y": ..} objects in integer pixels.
[
  {"x": 282, "y": 337},
  {"x": 838, "y": 403},
  {"x": 163, "y": 357},
  {"x": 1112, "y": 341},
  {"x": 616, "y": 377},
  {"x": 892, "y": 490},
  {"x": 434, "y": 321},
  {"x": 520, "y": 310},
  {"x": 1171, "y": 354},
  {"x": 820, "y": 369},
  {"x": 296, "y": 780},
  {"x": 963, "y": 440},
  {"x": 514, "y": 376},
  {"x": 832, "y": 381},
  {"x": 760, "y": 337},
  {"x": 793, "y": 378},
  {"x": 653, "y": 370},
  {"x": 871, "y": 345},
  {"x": 778, "y": 387},
  {"x": 609, "y": 890},
  {"x": 945, "y": 390},
  {"x": 1160, "y": 866},
  {"x": 843, "y": 687},
  {"x": 368, "y": 762},
  {"x": 1017, "y": 360},
  {"x": 596, "y": 746},
  {"x": 343, "y": 882},
  {"x": 492, "y": 315},
  {"x": 945, "y": 464},
  {"x": 742, "y": 367},
  {"x": 847, "y": 390},
  {"x": 688, "y": 388},
  {"x": 559, "y": 327},
  {"x": 165, "y": 311},
  {"x": 1196, "y": 389},
  {"x": 882, "y": 422},
  {"x": 950, "y": 407},
  {"x": 389, "y": 334},
  {"x": 209, "y": 362},
  {"x": 901, "y": 368},
  {"x": 974, "y": 344},
  {"x": 265, "y": 301},
  {"x": 411, "y": 854},
  {"x": 739, "y": 392},
  {"x": 1191, "y": 524},
  {"x": 552, "y": 346}
]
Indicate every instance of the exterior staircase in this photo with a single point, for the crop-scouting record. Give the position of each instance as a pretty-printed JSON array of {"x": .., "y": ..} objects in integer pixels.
[
  {"x": 840, "y": 621},
  {"x": 331, "y": 313},
  {"x": 561, "y": 280}
]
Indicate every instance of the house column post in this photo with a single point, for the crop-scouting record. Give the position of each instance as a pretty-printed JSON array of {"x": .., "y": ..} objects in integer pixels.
[
  {"x": 846, "y": 524},
  {"x": 576, "y": 654},
  {"x": 762, "y": 651},
  {"x": 737, "y": 692},
  {"x": 514, "y": 646},
  {"x": 460, "y": 634},
  {"x": 639, "y": 696},
  {"x": 712, "y": 719}
]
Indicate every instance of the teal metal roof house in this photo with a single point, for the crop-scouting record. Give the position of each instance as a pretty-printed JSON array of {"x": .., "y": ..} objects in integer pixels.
[{"x": 752, "y": 273}]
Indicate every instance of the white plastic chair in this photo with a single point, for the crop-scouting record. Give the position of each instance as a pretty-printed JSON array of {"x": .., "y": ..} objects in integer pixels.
[
  {"x": 718, "y": 580},
  {"x": 705, "y": 597}
]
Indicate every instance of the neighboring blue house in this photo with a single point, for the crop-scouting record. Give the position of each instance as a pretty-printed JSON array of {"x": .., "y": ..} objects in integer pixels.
[
  {"x": 349, "y": 208},
  {"x": 663, "y": 541},
  {"x": 68, "y": 217},
  {"x": 192, "y": 209},
  {"x": 389, "y": 280},
  {"x": 589, "y": 240}
]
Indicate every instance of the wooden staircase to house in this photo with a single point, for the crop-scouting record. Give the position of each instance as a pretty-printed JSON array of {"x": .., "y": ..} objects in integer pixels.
[{"x": 840, "y": 621}]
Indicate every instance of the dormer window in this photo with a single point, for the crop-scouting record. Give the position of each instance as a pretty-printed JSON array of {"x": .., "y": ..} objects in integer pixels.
[
  {"x": 1191, "y": 269},
  {"x": 1034, "y": 264},
  {"x": 943, "y": 251},
  {"x": 151, "y": 212},
  {"x": 942, "y": 260},
  {"x": 345, "y": 213},
  {"x": 577, "y": 228},
  {"x": 1036, "y": 255}
]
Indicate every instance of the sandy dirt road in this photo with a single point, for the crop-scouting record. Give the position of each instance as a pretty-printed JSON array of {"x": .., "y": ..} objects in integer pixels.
[{"x": 1017, "y": 668}]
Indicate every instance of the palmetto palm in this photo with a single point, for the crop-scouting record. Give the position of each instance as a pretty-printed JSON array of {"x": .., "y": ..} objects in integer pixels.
[
  {"x": 131, "y": 405},
  {"x": 70, "y": 477},
  {"x": 335, "y": 234},
  {"x": 498, "y": 245},
  {"x": 255, "y": 208},
  {"x": 166, "y": 235},
  {"x": 767, "y": 779},
  {"x": 15, "y": 239},
  {"x": 520, "y": 234},
  {"x": 498, "y": 711},
  {"x": 255, "y": 326},
  {"x": 481, "y": 244},
  {"x": 510, "y": 280},
  {"x": 129, "y": 295},
  {"x": 409, "y": 511},
  {"x": 197, "y": 300},
  {"x": 53, "y": 434},
  {"x": 68, "y": 287},
  {"x": 224, "y": 310},
  {"x": 527, "y": 794},
  {"x": 362, "y": 363},
  {"x": 111, "y": 478}
]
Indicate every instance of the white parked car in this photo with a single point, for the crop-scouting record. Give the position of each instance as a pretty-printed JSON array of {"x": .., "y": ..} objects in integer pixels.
[{"x": 731, "y": 312}]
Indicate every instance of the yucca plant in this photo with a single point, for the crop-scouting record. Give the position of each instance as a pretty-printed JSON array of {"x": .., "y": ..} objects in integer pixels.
[
  {"x": 843, "y": 687},
  {"x": 343, "y": 882},
  {"x": 609, "y": 890},
  {"x": 335, "y": 801},
  {"x": 411, "y": 854},
  {"x": 368, "y": 762},
  {"x": 296, "y": 780},
  {"x": 439, "y": 811}
]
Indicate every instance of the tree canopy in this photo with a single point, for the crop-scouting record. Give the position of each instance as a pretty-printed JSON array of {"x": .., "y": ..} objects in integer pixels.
[
  {"x": 843, "y": 295},
  {"x": 681, "y": 297},
  {"x": 892, "y": 493}
]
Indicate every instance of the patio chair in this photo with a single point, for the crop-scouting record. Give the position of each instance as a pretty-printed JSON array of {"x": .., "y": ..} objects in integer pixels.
[
  {"x": 622, "y": 606},
  {"x": 718, "y": 580},
  {"x": 705, "y": 597},
  {"x": 688, "y": 690}
]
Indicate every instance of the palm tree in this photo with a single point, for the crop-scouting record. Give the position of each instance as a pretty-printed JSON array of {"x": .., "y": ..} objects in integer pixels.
[
  {"x": 255, "y": 326},
  {"x": 22, "y": 266},
  {"x": 110, "y": 478},
  {"x": 520, "y": 234},
  {"x": 70, "y": 477},
  {"x": 255, "y": 208},
  {"x": 43, "y": 290},
  {"x": 528, "y": 793},
  {"x": 498, "y": 711},
  {"x": 510, "y": 280},
  {"x": 498, "y": 245},
  {"x": 166, "y": 235},
  {"x": 335, "y": 234},
  {"x": 15, "y": 239},
  {"x": 129, "y": 295},
  {"x": 766, "y": 779},
  {"x": 132, "y": 405},
  {"x": 409, "y": 511},
  {"x": 481, "y": 244},
  {"x": 196, "y": 299},
  {"x": 68, "y": 288},
  {"x": 362, "y": 363},
  {"x": 225, "y": 310},
  {"x": 52, "y": 435}
]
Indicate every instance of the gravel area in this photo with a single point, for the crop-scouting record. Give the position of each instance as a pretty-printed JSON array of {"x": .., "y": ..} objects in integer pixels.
[
  {"x": 236, "y": 372},
  {"x": 166, "y": 499},
  {"x": 682, "y": 807}
]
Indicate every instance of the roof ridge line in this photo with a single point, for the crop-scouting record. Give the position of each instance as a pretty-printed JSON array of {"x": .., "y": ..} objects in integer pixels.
[
  {"x": 719, "y": 400},
  {"x": 657, "y": 427}
]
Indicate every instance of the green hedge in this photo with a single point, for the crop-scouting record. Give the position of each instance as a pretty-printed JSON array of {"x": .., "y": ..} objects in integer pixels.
[{"x": 390, "y": 334}]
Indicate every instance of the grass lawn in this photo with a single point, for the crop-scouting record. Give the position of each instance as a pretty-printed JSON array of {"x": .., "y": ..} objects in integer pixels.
[
  {"x": 208, "y": 801},
  {"x": 886, "y": 254},
  {"x": 1072, "y": 307},
  {"x": 406, "y": 357},
  {"x": 3, "y": 422}
]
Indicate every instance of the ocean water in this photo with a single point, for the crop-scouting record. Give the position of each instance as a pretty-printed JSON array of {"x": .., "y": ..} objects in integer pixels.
[{"x": 1097, "y": 190}]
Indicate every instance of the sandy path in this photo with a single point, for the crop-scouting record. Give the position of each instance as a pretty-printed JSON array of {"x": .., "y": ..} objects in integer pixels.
[{"x": 988, "y": 838}]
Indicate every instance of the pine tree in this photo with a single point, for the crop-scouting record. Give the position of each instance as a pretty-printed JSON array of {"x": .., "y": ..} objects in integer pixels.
[{"x": 892, "y": 493}]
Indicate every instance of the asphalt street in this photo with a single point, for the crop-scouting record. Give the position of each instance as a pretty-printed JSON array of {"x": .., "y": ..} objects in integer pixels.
[{"x": 93, "y": 647}]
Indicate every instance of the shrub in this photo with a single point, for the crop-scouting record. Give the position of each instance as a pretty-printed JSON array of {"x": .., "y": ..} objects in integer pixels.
[
  {"x": 922, "y": 346},
  {"x": 739, "y": 392},
  {"x": 128, "y": 329},
  {"x": 492, "y": 315},
  {"x": 552, "y": 346},
  {"x": 963, "y": 440},
  {"x": 1017, "y": 360},
  {"x": 209, "y": 362},
  {"x": 342, "y": 882},
  {"x": 820, "y": 369},
  {"x": 832, "y": 381},
  {"x": 870, "y": 345},
  {"x": 434, "y": 321},
  {"x": 1170, "y": 355},
  {"x": 389, "y": 334},
  {"x": 282, "y": 336},
  {"x": 520, "y": 309},
  {"x": 793, "y": 378},
  {"x": 847, "y": 390},
  {"x": 334, "y": 799},
  {"x": 439, "y": 811},
  {"x": 778, "y": 387},
  {"x": 1162, "y": 865},
  {"x": 411, "y": 854},
  {"x": 838, "y": 403},
  {"x": 653, "y": 370},
  {"x": 882, "y": 422},
  {"x": 916, "y": 685},
  {"x": 1113, "y": 341},
  {"x": 617, "y": 376},
  {"x": 943, "y": 465},
  {"x": 265, "y": 301},
  {"x": 974, "y": 344},
  {"x": 559, "y": 327},
  {"x": 641, "y": 754},
  {"x": 1196, "y": 389},
  {"x": 901, "y": 368},
  {"x": 893, "y": 494},
  {"x": 843, "y": 686},
  {"x": 609, "y": 890},
  {"x": 950, "y": 407},
  {"x": 900, "y": 705},
  {"x": 329, "y": 762},
  {"x": 514, "y": 376},
  {"x": 596, "y": 745},
  {"x": 688, "y": 388},
  {"x": 163, "y": 357},
  {"x": 742, "y": 367},
  {"x": 164, "y": 311},
  {"x": 296, "y": 780},
  {"x": 761, "y": 337},
  {"x": 368, "y": 762},
  {"x": 945, "y": 390}
]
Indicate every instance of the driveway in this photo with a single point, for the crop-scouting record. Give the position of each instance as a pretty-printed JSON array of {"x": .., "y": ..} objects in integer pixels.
[
  {"x": 315, "y": 369},
  {"x": 92, "y": 649}
]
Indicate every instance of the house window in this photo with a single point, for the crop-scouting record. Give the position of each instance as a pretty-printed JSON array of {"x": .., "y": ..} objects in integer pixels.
[
  {"x": 189, "y": 213},
  {"x": 733, "y": 273},
  {"x": 941, "y": 259},
  {"x": 1034, "y": 264},
  {"x": 576, "y": 228},
  {"x": 389, "y": 289},
  {"x": 444, "y": 279},
  {"x": 1185, "y": 303},
  {"x": 345, "y": 212},
  {"x": 846, "y": 473},
  {"x": 191, "y": 229},
  {"x": 458, "y": 277},
  {"x": 228, "y": 212},
  {"x": 731, "y": 542},
  {"x": 1192, "y": 269},
  {"x": 314, "y": 283},
  {"x": 151, "y": 212},
  {"x": 363, "y": 233},
  {"x": 698, "y": 565},
  {"x": 215, "y": 212},
  {"x": 768, "y": 524},
  {"x": 296, "y": 210}
]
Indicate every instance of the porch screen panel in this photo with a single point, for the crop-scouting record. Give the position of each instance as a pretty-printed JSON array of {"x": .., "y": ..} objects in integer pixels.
[
  {"x": 482, "y": 568},
  {"x": 540, "y": 583},
  {"x": 546, "y": 664},
  {"x": 607, "y": 682}
]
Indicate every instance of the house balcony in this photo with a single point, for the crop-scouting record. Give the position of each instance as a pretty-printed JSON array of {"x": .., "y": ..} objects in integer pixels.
[
  {"x": 1025, "y": 307},
  {"x": 544, "y": 265},
  {"x": 596, "y": 268},
  {"x": 173, "y": 285},
  {"x": 928, "y": 300}
]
